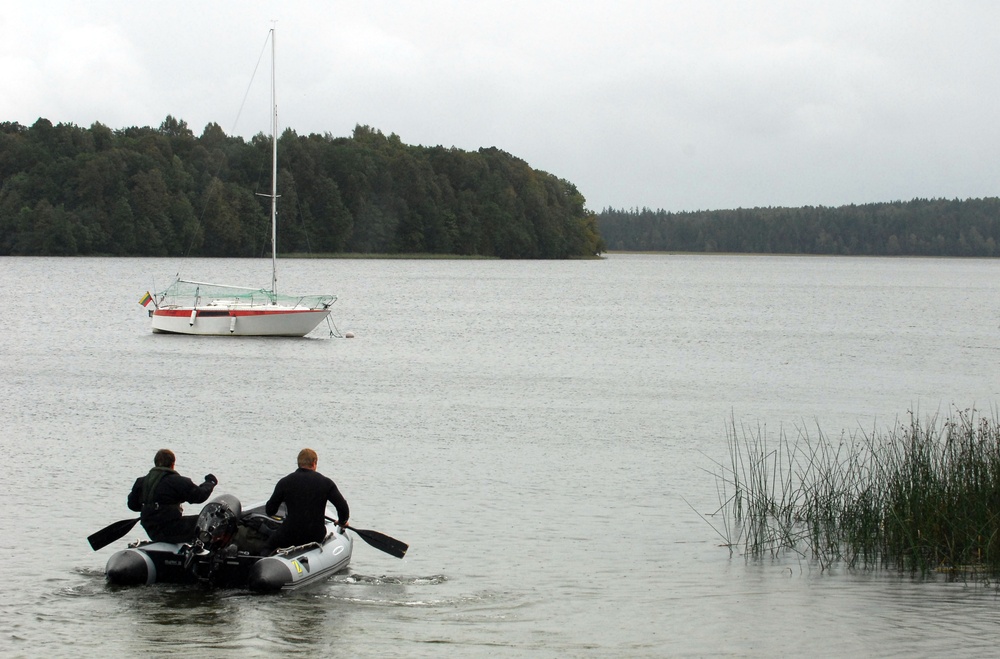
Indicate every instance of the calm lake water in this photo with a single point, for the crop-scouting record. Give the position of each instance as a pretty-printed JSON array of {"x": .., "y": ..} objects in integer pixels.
[{"x": 543, "y": 434}]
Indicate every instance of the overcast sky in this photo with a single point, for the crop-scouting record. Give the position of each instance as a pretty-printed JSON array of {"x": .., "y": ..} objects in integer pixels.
[{"x": 687, "y": 105}]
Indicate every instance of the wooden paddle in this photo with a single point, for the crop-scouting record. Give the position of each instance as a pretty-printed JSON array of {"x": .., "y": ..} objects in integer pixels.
[
  {"x": 380, "y": 541},
  {"x": 110, "y": 533}
]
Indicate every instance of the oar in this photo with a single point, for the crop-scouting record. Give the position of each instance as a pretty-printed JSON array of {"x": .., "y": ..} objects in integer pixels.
[
  {"x": 380, "y": 541},
  {"x": 110, "y": 533}
]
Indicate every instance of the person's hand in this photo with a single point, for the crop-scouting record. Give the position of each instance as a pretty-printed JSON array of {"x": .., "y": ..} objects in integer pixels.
[
  {"x": 210, "y": 478},
  {"x": 343, "y": 524}
]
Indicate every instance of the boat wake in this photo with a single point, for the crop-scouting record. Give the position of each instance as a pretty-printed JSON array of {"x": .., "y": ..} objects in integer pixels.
[
  {"x": 408, "y": 592},
  {"x": 390, "y": 581}
]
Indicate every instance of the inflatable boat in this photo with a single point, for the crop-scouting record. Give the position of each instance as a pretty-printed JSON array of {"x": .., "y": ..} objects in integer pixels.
[{"x": 226, "y": 554}]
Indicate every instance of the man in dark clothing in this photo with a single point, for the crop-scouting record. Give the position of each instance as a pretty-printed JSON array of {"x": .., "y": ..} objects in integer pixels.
[
  {"x": 158, "y": 496},
  {"x": 304, "y": 492}
]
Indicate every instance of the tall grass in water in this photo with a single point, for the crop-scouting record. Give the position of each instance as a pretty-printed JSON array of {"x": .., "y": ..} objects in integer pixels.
[{"x": 919, "y": 497}]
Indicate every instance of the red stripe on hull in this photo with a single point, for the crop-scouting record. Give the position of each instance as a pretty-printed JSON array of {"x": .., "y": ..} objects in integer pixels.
[{"x": 186, "y": 313}]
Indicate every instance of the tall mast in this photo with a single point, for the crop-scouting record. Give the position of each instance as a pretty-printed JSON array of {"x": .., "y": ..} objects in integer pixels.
[{"x": 274, "y": 177}]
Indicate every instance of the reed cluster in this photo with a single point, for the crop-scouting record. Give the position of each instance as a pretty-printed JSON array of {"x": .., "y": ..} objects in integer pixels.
[{"x": 919, "y": 497}]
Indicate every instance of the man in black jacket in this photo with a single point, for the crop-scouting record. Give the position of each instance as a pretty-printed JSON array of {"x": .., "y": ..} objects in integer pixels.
[
  {"x": 304, "y": 492},
  {"x": 158, "y": 496}
]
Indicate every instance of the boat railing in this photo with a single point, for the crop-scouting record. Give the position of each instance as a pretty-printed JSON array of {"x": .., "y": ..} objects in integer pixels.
[{"x": 185, "y": 293}]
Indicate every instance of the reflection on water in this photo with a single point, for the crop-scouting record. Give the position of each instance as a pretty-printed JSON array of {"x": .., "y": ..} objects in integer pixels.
[{"x": 224, "y": 620}]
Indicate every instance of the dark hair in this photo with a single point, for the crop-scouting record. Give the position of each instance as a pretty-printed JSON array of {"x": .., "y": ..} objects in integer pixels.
[{"x": 164, "y": 458}]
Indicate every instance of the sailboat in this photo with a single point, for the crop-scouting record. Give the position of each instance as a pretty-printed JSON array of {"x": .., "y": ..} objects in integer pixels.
[{"x": 200, "y": 308}]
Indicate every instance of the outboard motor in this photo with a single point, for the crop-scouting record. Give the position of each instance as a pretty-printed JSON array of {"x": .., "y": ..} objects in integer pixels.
[{"x": 217, "y": 522}]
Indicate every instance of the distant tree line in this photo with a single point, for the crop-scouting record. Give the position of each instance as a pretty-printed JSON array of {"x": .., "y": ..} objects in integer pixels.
[
  {"x": 921, "y": 227},
  {"x": 66, "y": 190}
]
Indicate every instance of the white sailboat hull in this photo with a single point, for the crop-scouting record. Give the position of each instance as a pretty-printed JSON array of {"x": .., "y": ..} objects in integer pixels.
[{"x": 222, "y": 321}]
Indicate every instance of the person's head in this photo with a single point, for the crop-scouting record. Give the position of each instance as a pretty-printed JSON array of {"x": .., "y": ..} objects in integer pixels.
[
  {"x": 308, "y": 458},
  {"x": 164, "y": 458}
]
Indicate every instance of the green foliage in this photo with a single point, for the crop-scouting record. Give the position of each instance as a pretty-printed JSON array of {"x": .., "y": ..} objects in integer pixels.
[
  {"x": 923, "y": 497},
  {"x": 165, "y": 192},
  {"x": 921, "y": 227}
]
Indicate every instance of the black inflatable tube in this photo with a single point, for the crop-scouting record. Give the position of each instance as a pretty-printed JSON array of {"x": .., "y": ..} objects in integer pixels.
[
  {"x": 269, "y": 575},
  {"x": 127, "y": 568}
]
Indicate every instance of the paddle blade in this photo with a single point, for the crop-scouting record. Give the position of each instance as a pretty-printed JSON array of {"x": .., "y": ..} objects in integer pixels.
[
  {"x": 382, "y": 542},
  {"x": 110, "y": 533}
]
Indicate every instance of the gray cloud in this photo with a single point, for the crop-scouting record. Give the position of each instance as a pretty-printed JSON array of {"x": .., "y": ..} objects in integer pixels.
[{"x": 675, "y": 105}]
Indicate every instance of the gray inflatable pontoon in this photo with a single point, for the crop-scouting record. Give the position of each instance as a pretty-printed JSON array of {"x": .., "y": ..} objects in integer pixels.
[{"x": 226, "y": 554}]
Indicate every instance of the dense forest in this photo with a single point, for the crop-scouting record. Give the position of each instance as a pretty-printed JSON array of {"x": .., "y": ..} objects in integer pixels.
[
  {"x": 921, "y": 227},
  {"x": 67, "y": 190}
]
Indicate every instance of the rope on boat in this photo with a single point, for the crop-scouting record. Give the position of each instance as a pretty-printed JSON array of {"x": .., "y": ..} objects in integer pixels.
[
  {"x": 334, "y": 332},
  {"x": 285, "y": 551}
]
